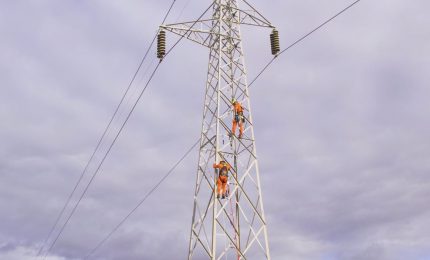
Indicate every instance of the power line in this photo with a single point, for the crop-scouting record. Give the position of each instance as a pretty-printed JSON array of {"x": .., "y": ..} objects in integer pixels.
[
  {"x": 182, "y": 11},
  {"x": 301, "y": 39},
  {"x": 141, "y": 201},
  {"x": 99, "y": 143},
  {"x": 162, "y": 180},
  {"x": 95, "y": 150},
  {"x": 117, "y": 135},
  {"x": 171, "y": 170},
  {"x": 101, "y": 162}
]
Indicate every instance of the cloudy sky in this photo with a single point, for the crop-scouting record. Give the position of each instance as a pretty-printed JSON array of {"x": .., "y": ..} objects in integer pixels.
[{"x": 342, "y": 125}]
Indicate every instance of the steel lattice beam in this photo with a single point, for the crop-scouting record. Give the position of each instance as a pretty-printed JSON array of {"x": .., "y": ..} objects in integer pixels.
[{"x": 233, "y": 228}]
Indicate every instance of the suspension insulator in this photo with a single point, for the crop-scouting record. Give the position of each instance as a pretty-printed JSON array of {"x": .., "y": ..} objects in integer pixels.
[
  {"x": 161, "y": 44},
  {"x": 274, "y": 42}
]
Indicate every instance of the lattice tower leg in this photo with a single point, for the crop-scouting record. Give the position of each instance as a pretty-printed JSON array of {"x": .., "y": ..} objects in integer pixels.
[{"x": 243, "y": 233}]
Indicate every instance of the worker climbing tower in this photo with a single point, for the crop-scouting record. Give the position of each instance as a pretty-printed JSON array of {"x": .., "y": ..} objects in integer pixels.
[{"x": 234, "y": 227}]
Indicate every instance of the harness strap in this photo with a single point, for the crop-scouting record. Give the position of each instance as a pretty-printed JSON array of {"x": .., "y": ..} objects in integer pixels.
[{"x": 223, "y": 171}]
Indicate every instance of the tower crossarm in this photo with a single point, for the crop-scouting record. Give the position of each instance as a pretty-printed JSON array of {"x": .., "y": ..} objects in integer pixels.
[
  {"x": 248, "y": 17},
  {"x": 203, "y": 30},
  {"x": 197, "y": 31}
]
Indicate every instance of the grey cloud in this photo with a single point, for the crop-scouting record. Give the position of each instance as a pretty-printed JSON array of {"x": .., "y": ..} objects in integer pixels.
[{"x": 341, "y": 122}]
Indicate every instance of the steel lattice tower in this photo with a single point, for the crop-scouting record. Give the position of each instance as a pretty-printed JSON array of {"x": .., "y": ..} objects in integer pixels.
[{"x": 235, "y": 227}]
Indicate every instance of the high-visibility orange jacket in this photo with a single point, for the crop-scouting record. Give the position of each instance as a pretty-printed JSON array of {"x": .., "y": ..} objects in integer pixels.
[
  {"x": 238, "y": 118},
  {"x": 237, "y": 108},
  {"x": 224, "y": 168},
  {"x": 222, "y": 177}
]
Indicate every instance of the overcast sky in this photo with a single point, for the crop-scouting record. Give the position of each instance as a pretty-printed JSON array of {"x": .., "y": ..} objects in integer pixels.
[{"x": 342, "y": 125}]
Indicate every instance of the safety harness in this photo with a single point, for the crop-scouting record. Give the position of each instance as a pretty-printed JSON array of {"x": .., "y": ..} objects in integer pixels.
[
  {"x": 239, "y": 117},
  {"x": 223, "y": 171}
]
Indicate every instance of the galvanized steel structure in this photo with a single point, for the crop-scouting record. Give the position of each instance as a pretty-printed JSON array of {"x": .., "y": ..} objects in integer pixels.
[{"x": 235, "y": 227}]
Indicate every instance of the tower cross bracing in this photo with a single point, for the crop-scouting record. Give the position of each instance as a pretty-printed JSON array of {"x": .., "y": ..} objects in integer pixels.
[{"x": 234, "y": 227}]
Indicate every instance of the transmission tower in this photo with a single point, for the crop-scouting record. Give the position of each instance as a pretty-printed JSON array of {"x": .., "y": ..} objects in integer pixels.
[{"x": 234, "y": 227}]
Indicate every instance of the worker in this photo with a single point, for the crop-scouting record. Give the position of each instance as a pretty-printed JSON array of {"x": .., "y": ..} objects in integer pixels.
[
  {"x": 238, "y": 118},
  {"x": 223, "y": 168}
]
